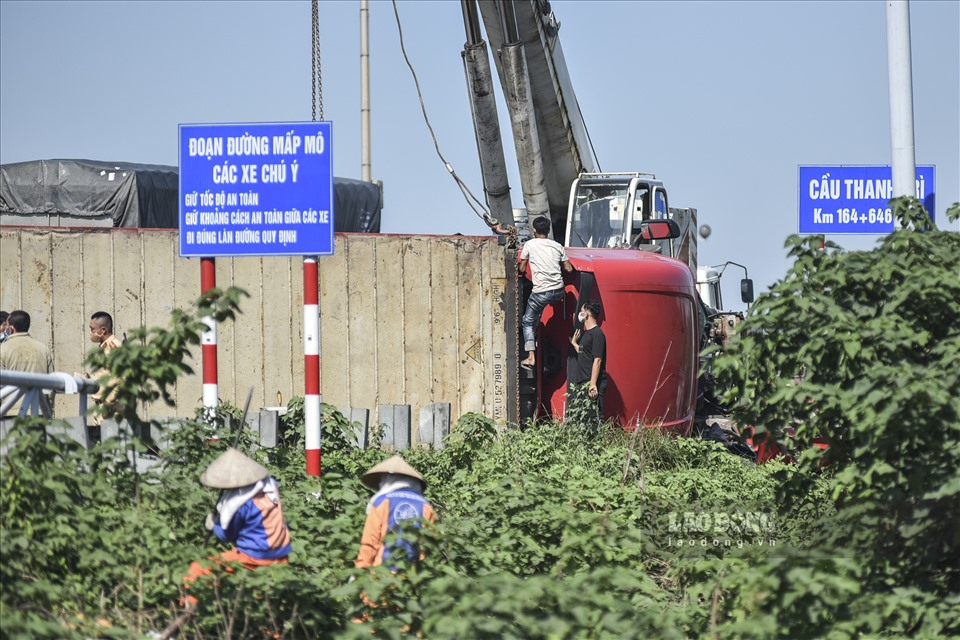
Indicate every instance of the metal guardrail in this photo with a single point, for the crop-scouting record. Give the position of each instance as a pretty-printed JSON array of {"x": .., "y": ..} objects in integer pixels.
[
  {"x": 397, "y": 433},
  {"x": 33, "y": 387}
]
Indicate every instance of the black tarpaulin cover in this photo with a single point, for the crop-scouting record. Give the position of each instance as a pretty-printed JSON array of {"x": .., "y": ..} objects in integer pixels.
[
  {"x": 356, "y": 206},
  {"x": 132, "y": 195},
  {"x": 141, "y": 195}
]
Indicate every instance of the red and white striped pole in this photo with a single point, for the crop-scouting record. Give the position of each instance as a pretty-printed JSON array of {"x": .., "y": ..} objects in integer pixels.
[
  {"x": 311, "y": 352},
  {"x": 208, "y": 280}
]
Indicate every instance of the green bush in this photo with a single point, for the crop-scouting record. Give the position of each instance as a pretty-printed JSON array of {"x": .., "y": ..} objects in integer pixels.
[
  {"x": 557, "y": 531},
  {"x": 861, "y": 349}
]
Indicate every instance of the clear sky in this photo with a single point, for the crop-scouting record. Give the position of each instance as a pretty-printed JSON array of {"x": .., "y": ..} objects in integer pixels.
[{"x": 722, "y": 100}]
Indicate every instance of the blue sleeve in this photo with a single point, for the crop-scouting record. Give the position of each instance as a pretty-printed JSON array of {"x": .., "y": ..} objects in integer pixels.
[
  {"x": 219, "y": 532},
  {"x": 232, "y": 532}
]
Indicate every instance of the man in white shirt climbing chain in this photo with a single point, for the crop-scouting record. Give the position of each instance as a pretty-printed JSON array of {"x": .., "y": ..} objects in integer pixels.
[{"x": 545, "y": 258}]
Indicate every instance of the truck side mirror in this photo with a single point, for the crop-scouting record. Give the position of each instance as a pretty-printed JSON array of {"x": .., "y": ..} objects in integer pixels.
[
  {"x": 661, "y": 229},
  {"x": 746, "y": 290}
]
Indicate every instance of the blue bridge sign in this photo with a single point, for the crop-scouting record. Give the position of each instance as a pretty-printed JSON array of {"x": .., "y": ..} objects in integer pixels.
[
  {"x": 846, "y": 199},
  {"x": 256, "y": 189}
]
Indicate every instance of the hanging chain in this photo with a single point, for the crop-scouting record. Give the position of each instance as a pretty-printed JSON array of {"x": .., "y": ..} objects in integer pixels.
[
  {"x": 315, "y": 73},
  {"x": 513, "y": 241}
]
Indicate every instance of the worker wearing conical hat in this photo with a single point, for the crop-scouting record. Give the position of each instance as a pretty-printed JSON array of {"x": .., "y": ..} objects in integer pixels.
[
  {"x": 249, "y": 514},
  {"x": 399, "y": 496}
]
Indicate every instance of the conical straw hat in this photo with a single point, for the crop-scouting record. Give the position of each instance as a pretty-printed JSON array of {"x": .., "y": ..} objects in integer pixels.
[
  {"x": 232, "y": 470},
  {"x": 396, "y": 464}
]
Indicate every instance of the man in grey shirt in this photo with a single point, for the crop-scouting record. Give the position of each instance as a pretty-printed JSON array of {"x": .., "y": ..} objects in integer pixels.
[{"x": 22, "y": 352}]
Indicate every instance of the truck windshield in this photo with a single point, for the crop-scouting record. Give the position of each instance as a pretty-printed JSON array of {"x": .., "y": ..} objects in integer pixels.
[{"x": 598, "y": 215}]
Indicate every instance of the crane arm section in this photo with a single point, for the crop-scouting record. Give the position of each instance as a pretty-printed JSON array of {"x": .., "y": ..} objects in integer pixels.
[{"x": 563, "y": 143}]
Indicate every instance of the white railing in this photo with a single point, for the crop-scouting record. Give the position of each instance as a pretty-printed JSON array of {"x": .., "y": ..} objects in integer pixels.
[{"x": 33, "y": 388}]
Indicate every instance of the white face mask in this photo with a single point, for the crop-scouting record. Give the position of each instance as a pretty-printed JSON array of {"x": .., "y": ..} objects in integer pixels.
[{"x": 582, "y": 317}]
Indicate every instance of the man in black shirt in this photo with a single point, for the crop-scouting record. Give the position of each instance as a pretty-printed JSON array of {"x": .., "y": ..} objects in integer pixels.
[{"x": 590, "y": 366}]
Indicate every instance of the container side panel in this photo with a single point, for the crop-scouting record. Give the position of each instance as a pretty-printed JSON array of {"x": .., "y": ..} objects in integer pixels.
[
  {"x": 391, "y": 367},
  {"x": 227, "y": 376},
  {"x": 470, "y": 308},
  {"x": 444, "y": 305},
  {"x": 68, "y": 326},
  {"x": 496, "y": 366},
  {"x": 97, "y": 257},
  {"x": 297, "y": 365},
  {"x": 405, "y": 320},
  {"x": 511, "y": 333},
  {"x": 278, "y": 330},
  {"x": 186, "y": 278},
  {"x": 418, "y": 319},
  {"x": 10, "y": 258},
  {"x": 335, "y": 318},
  {"x": 361, "y": 330},
  {"x": 247, "y": 352},
  {"x": 486, "y": 333},
  {"x": 128, "y": 277},
  {"x": 36, "y": 282},
  {"x": 159, "y": 256}
]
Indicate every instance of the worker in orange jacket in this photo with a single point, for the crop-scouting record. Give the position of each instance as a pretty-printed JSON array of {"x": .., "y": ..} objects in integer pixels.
[
  {"x": 398, "y": 496},
  {"x": 249, "y": 514}
]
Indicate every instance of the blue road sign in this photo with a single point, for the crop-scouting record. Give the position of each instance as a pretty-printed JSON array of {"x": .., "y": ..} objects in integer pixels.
[
  {"x": 845, "y": 199},
  {"x": 256, "y": 189}
]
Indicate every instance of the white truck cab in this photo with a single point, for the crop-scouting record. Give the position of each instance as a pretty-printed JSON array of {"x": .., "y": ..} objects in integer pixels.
[
  {"x": 606, "y": 209},
  {"x": 708, "y": 286}
]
